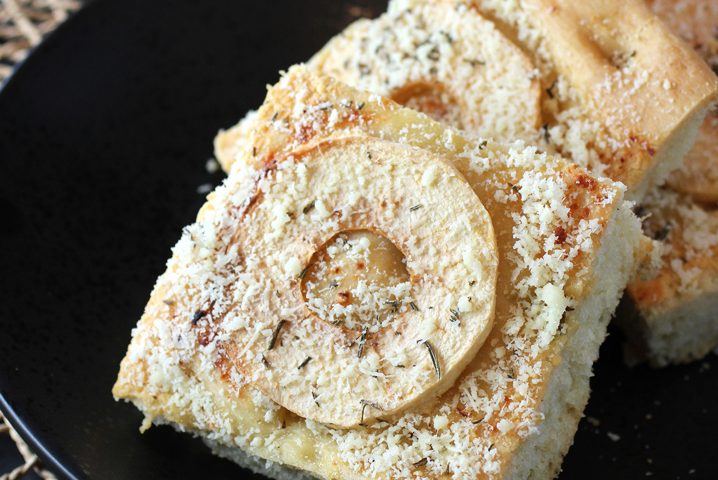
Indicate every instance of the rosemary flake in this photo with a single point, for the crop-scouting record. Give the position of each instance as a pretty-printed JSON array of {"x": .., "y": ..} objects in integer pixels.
[
  {"x": 413, "y": 306},
  {"x": 275, "y": 334},
  {"x": 368, "y": 403},
  {"x": 197, "y": 315},
  {"x": 304, "y": 363},
  {"x": 437, "y": 367},
  {"x": 454, "y": 316},
  {"x": 421, "y": 462},
  {"x": 416, "y": 207},
  {"x": 362, "y": 341},
  {"x": 308, "y": 207},
  {"x": 314, "y": 397}
]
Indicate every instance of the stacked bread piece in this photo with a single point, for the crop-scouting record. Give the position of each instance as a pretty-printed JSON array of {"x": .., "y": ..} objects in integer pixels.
[
  {"x": 373, "y": 293},
  {"x": 673, "y": 316}
]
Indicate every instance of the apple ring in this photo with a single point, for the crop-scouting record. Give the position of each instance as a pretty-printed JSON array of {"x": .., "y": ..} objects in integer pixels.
[{"x": 343, "y": 371}]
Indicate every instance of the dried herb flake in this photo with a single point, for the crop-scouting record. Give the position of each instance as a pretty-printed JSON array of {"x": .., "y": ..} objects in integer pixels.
[
  {"x": 362, "y": 341},
  {"x": 275, "y": 334},
  {"x": 304, "y": 363},
  {"x": 434, "y": 360}
]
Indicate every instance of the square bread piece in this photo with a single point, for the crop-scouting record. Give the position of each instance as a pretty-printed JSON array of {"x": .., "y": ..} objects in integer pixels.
[
  {"x": 566, "y": 244},
  {"x": 604, "y": 84},
  {"x": 673, "y": 317}
]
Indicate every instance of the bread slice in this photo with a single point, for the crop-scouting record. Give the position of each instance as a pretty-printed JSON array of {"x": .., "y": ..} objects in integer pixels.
[
  {"x": 580, "y": 79},
  {"x": 566, "y": 244},
  {"x": 646, "y": 89},
  {"x": 696, "y": 22},
  {"x": 672, "y": 317}
]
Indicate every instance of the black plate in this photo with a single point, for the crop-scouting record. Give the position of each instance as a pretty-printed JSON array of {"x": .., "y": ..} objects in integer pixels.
[{"x": 104, "y": 134}]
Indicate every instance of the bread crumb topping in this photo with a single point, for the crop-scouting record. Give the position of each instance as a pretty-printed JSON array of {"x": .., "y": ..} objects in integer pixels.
[{"x": 547, "y": 220}]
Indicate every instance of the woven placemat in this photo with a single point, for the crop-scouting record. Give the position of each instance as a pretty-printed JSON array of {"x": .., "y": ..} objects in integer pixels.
[
  {"x": 31, "y": 464},
  {"x": 23, "y": 24}
]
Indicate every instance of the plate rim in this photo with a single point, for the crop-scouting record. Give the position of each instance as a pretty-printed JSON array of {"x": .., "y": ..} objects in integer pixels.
[{"x": 67, "y": 468}]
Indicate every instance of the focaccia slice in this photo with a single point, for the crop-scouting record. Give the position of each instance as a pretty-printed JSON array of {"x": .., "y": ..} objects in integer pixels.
[
  {"x": 583, "y": 80},
  {"x": 565, "y": 243},
  {"x": 696, "y": 21},
  {"x": 631, "y": 95},
  {"x": 673, "y": 316}
]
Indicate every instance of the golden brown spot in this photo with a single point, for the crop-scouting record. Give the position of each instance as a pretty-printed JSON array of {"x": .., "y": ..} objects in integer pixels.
[
  {"x": 560, "y": 233},
  {"x": 586, "y": 182},
  {"x": 344, "y": 298}
]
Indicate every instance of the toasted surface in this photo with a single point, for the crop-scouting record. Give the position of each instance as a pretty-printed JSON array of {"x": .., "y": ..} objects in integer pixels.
[
  {"x": 555, "y": 295},
  {"x": 696, "y": 22},
  {"x": 605, "y": 84}
]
